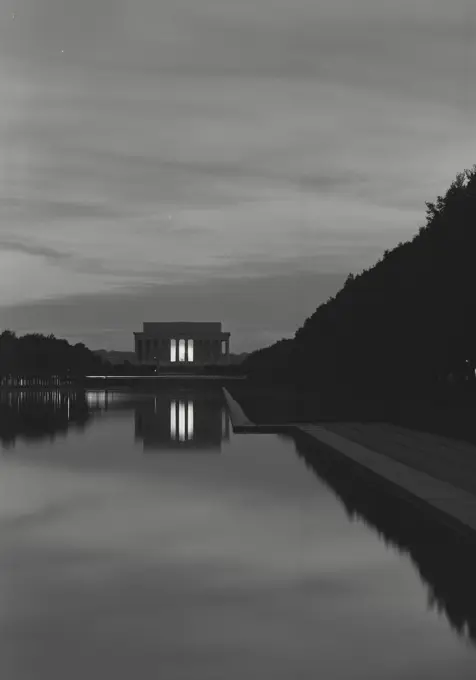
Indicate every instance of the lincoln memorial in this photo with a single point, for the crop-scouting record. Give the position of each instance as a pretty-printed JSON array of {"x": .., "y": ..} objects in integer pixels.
[{"x": 165, "y": 343}]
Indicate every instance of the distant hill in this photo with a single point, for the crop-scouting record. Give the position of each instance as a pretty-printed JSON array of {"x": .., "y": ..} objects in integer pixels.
[{"x": 116, "y": 357}]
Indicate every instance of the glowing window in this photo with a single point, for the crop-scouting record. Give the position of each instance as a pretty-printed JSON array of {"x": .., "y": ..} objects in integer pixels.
[
  {"x": 190, "y": 350},
  {"x": 173, "y": 350},
  {"x": 181, "y": 351}
]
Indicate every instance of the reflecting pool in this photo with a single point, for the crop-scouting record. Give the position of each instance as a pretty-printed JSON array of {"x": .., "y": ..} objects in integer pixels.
[{"x": 142, "y": 539}]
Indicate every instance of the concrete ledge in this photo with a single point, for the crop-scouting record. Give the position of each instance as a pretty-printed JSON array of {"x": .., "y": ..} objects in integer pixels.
[
  {"x": 243, "y": 425},
  {"x": 239, "y": 420},
  {"x": 262, "y": 429},
  {"x": 454, "y": 506}
]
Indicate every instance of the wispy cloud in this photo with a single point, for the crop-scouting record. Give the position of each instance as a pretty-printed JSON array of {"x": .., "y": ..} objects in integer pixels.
[
  {"x": 250, "y": 306},
  {"x": 10, "y": 245},
  {"x": 161, "y": 142}
]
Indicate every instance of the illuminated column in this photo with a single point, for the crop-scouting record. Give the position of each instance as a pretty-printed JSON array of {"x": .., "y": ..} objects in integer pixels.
[
  {"x": 190, "y": 351},
  {"x": 181, "y": 350},
  {"x": 173, "y": 350}
]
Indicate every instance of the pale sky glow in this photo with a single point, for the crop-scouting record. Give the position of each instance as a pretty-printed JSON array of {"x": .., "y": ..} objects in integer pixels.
[{"x": 237, "y": 144}]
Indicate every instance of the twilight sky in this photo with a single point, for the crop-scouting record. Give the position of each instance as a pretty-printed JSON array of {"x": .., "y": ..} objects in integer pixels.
[{"x": 223, "y": 160}]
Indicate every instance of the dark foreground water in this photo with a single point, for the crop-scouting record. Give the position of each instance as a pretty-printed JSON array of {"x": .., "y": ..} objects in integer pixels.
[{"x": 141, "y": 539}]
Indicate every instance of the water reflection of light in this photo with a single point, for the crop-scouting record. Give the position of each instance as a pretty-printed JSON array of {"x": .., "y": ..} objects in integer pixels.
[
  {"x": 173, "y": 420},
  {"x": 102, "y": 399},
  {"x": 181, "y": 420},
  {"x": 96, "y": 398},
  {"x": 190, "y": 420}
]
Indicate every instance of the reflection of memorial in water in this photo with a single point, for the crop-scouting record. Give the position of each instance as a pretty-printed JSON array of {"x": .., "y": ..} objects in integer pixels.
[
  {"x": 39, "y": 415},
  {"x": 183, "y": 420}
]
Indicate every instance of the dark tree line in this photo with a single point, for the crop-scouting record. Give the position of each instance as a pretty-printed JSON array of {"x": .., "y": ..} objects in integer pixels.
[
  {"x": 407, "y": 322},
  {"x": 36, "y": 359}
]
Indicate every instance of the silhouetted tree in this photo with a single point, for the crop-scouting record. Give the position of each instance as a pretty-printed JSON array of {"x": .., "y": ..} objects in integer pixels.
[
  {"x": 407, "y": 323},
  {"x": 36, "y": 359}
]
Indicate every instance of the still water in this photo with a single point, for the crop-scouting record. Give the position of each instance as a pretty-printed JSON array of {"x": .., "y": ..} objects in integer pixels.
[{"x": 142, "y": 539}]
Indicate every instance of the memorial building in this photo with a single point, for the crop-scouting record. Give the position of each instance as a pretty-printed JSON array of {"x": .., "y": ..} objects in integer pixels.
[{"x": 167, "y": 343}]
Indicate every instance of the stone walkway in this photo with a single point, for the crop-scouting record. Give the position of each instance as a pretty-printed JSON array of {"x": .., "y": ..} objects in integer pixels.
[
  {"x": 446, "y": 459},
  {"x": 435, "y": 471},
  {"x": 451, "y": 502}
]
